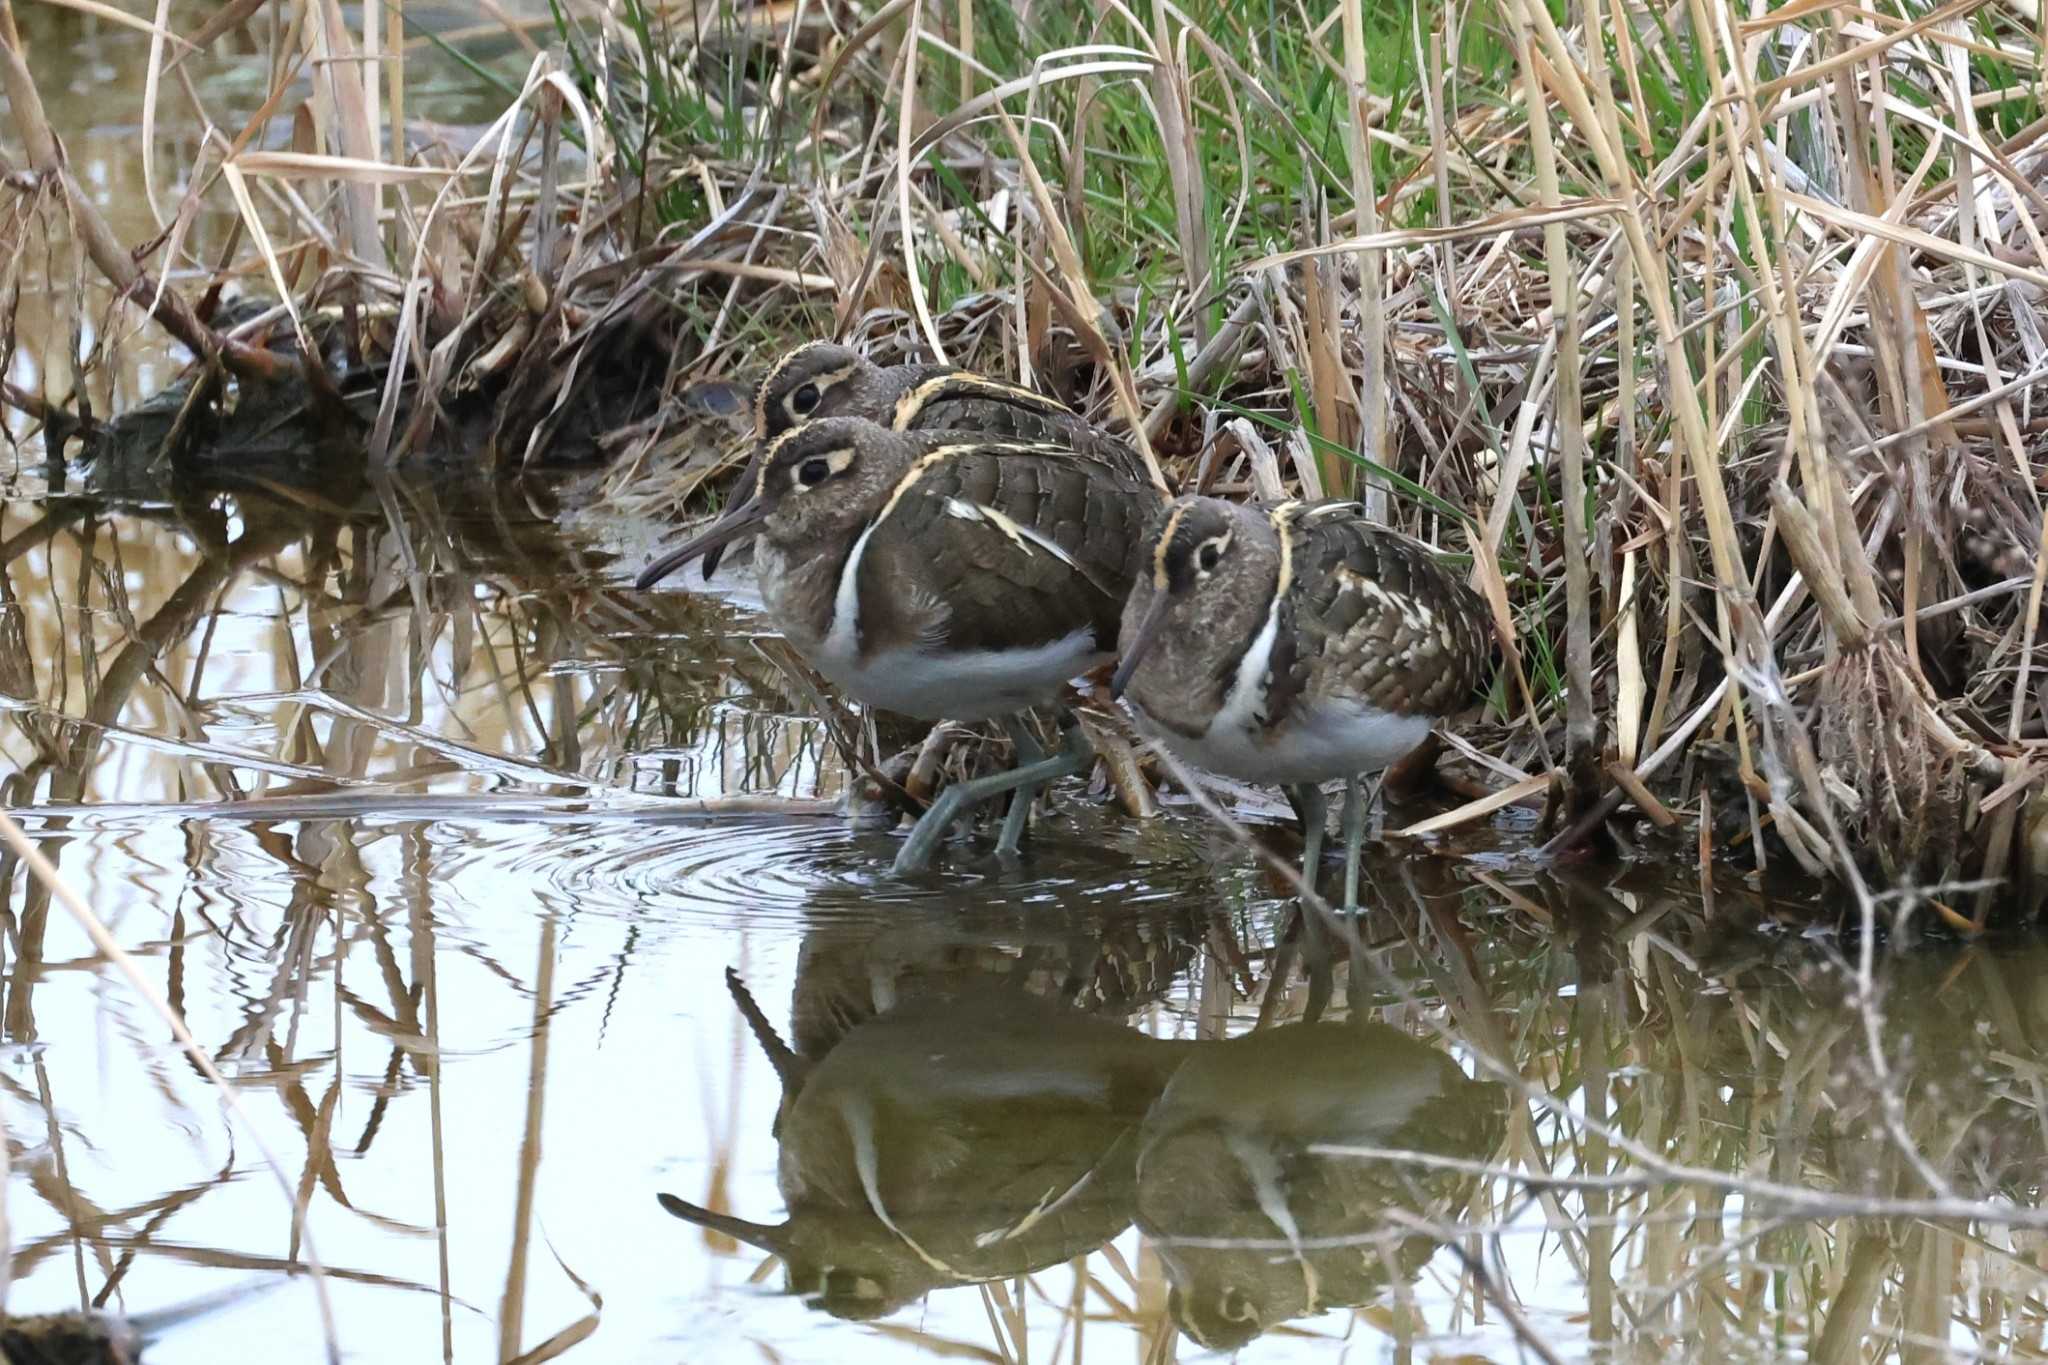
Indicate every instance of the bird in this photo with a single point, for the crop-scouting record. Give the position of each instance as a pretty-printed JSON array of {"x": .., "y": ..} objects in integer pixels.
[
  {"x": 825, "y": 379},
  {"x": 1245, "y": 1185},
  {"x": 969, "y": 1132},
  {"x": 1295, "y": 643},
  {"x": 943, "y": 575}
]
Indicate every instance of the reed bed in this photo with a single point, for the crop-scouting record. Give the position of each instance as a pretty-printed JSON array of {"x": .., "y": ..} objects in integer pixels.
[
  {"x": 1709, "y": 336},
  {"x": 1695, "y": 1116}
]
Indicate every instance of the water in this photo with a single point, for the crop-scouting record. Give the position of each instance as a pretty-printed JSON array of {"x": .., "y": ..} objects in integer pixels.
[
  {"x": 426, "y": 830},
  {"x": 433, "y": 832}
]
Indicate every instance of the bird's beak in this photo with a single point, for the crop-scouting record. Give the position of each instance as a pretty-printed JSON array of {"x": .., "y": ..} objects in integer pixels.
[
  {"x": 710, "y": 543},
  {"x": 763, "y": 1236},
  {"x": 750, "y": 478},
  {"x": 1142, "y": 640}
]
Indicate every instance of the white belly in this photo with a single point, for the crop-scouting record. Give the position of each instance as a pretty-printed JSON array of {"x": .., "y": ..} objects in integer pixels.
[
  {"x": 1325, "y": 740},
  {"x": 973, "y": 686},
  {"x": 916, "y": 680}
]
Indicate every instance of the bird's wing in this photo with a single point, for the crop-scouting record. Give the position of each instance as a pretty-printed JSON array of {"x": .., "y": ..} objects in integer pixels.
[{"x": 1381, "y": 621}]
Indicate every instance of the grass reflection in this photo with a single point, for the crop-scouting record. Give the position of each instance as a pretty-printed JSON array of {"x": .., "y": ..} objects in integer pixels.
[{"x": 436, "y": 839}]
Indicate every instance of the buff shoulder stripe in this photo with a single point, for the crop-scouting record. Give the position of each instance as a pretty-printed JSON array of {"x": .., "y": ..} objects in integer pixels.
[
  {"x": 928, "y": 461},
  {"x": 963, "y": 384},
  {"x": 1328, "y": 510},
  {"x": 938, "y": 455},
  {"x": 1282, "y": 518}
]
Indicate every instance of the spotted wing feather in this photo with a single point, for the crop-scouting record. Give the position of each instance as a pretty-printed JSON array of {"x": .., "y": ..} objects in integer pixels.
[{"x": 1380, "y": 621}]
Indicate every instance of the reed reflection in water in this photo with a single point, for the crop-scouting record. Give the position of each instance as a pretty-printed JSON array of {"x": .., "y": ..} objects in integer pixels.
[{"x": 431, "y": 832}]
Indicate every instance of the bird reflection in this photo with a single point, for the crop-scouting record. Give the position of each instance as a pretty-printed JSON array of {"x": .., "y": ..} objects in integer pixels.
[
  {"x": 954, "y": 1138},
  {"x": 1069, "y": 947},
  {"x": 70, "y": 1339},
  {"x": 1254, "y": 1225},
  {"x": 960, "y": 1098},
  {"x": 964, "y": 1129}
]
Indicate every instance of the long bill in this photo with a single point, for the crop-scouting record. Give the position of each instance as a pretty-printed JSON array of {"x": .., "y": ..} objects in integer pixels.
[
  {"x": 712, "y": 540},
  {"x": 1142, "y": 640},
  {"x": 764, "y": 1236},
  {"x": 749, "y": 478}
]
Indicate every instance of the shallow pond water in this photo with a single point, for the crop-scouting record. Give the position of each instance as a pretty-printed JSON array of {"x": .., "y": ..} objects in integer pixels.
[
  {"x": 521, "y": 911},
  {"x": 517, "y": 907}
]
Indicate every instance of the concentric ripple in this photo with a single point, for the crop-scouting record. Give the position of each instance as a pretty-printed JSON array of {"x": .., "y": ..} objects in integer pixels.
[{"x": 785, "y": 872}]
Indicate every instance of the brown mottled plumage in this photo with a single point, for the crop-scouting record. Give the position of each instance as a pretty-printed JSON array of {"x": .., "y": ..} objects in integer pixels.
[
  {"x": 824, "y": 379},
  {"x": 1295, "y": 643},
  {"x": 69, "y": 1339},
  {"x": 939, "y": 574}
]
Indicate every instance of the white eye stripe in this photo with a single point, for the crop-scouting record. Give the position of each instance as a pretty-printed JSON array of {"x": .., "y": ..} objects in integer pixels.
[
  {"x": 819, "y": 385},
  {"x": 835, "y": 462}
]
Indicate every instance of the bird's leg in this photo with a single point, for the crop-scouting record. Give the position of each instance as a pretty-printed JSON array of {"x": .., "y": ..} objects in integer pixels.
[
  {"x": 1075, "y": 755},
  {"x": 1280, "y": 969},
  {"x": 1320, "y": 963},
  {"x": 1028, "y": 753},
  {"x": 1359, "y": 798},
  {"x": 1354, "y": 839},
  {"x": 1314, "y": 813}
]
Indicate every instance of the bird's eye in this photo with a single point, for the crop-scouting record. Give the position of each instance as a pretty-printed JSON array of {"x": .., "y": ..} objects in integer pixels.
[
  {"x": 1209, "y": 556},
  {"x": 813, "y": 471},
  {"x": 805, "y": 400}
]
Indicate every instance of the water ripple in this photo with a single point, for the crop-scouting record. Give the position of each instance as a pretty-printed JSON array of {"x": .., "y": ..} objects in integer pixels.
[{"x": 788, "y": 872}]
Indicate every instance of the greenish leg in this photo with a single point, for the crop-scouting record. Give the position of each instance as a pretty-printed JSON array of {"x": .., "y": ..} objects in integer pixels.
[
  {"x": 1354, "y": 839},
  {"x": 1075, "y": 756},
  {"x": 1321, "y": 964},
  {"x": 1314, "y": 813},
  {"x": 1285, "y": 949},
  {"x": 1028, "y": 754}
]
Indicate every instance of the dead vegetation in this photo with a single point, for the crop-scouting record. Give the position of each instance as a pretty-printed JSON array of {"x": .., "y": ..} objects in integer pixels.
[{"x": 1711, "y": 337}]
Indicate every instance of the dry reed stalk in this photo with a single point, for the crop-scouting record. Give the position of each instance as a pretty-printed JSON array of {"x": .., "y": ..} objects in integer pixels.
[
  {"x": 906, "y": 222},
  {"x": 97, "y": 238},
  {"x": 1079, "y": 308},
  {"x": 150, "y": 82},
  {"x": 512, "y": 1305},
  {"x": 1371, "y": 401},
  {"x": 394, "y": 96},
  {"x": 103, "y": 942},
  {"x": 1566, "y": 438},
  {"x": 1328, "y": 385},
  {"x": 1751, "y": 653},
  {"x": 344, "y": 118},
  {"x": 1172, "y": 104}
]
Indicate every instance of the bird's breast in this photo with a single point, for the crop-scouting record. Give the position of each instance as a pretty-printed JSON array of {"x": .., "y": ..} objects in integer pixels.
[{"x": 1319, "y": 740}]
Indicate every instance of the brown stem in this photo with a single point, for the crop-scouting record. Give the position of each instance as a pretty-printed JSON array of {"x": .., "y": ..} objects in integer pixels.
[
  {"x": 57, "y": 422},
  {"x": 46, "y": 158}
]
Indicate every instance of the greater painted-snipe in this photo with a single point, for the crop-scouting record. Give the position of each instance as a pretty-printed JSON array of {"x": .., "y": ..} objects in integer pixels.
[
  {"x": 1296, "y": 643},
  {"x": 943, "y": 575},
  {"x": 824, "y": 379}
]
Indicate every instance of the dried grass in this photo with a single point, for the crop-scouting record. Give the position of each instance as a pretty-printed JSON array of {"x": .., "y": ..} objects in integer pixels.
[{"x": 1571, "y": 297}]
